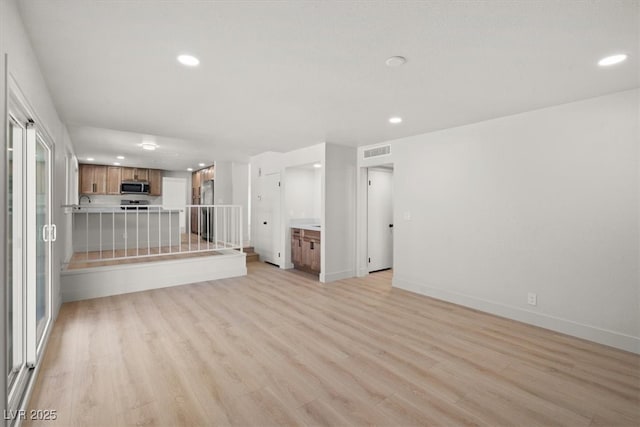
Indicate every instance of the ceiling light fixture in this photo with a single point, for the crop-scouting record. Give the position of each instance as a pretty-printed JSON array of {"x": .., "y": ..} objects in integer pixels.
[
  {"x": 395, "y": 61},
  {"x": 317, "y": 165},
  {"x": 120, "y": 157},
  {"x": 188, "y": 60},
  {"x": 612, "y": 60},
  {"x": 190, "y": 169},
  {"x": 90, "y": 159},
  {"x": 201, "y": 165},
  {"x": 395, "y": 120},
  {"x": 148, "y": 146}
]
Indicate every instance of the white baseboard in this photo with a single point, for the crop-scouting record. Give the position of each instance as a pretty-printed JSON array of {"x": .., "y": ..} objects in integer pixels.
[
  {"x": 121, "y": 279},
  {"x": 332, "y": 277},
  {"x": 565, "y": 326}
]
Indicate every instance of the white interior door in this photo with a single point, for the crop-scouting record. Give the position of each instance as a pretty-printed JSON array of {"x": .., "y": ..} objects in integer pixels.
[
  {"x": 269, "y": 219},
  {"x": 174, "y": 196},
  {"x": 380, "y": 219}
]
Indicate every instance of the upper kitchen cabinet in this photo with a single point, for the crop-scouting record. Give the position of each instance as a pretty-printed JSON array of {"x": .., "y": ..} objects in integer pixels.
[
  {"x": 102, "y": 179},
  {"x": 135, "y": 174},
  {"x": 93, "y": 179},
  {"x": 114, "y": 178},
  {"x": 207, "y": 174},
  {"x": 155, "y": 182}
]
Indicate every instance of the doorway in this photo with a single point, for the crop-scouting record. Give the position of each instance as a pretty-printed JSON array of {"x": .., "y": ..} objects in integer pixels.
[
  {"x": 30, "y": 234},
  {"x": 268, "y": 219},
  {"x": 379, "y": 218}
]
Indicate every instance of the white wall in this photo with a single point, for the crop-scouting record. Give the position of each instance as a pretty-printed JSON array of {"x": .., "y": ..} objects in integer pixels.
[
  {"x": 339, "y": 216},
  {"x": 3, "y": 195},
  {"x": 240, "y": 193},
  {"x": 223, "y": 191},
  {"x": 300, "y": 194},
  {"x": 544, "y": 202},
  {"x": 23, "y": 67},
  {"x": 317, "y": 193}
]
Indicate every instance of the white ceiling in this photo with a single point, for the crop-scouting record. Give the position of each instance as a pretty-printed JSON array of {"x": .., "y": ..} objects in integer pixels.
[{"x": 284, "y": 75}]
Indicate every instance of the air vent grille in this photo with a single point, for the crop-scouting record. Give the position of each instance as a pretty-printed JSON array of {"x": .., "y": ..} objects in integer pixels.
[{"x": 378, "y": 151}]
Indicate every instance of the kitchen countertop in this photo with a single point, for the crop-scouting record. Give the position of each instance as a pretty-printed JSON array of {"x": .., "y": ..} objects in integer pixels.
[{"x": 116, "y": 209}]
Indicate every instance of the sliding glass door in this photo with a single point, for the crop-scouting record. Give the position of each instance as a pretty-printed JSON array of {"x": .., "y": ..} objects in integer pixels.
[{"x": 29, "y": 236}]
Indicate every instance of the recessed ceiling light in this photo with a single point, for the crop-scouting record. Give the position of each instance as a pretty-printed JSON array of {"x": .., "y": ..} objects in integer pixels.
[
  {"x": 148, "y": 146},
  {"x": 612, "y": 60},
  {"x": 201, "y": 165},
  {"x": 90, "y": 159},
  {"x": 188, "y": 60},
  {"x": 317, "y": 165},
  {"x": 395, "y": 61},
  {"x": 116, "y": 164},
  {"x": 120, "y": 157},
  {"x": 395, "y": 120},
  {"x": 190, "y": 169}
]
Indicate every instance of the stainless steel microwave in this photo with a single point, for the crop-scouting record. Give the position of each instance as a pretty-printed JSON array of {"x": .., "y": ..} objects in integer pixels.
[{"x": 134, "y": 187}]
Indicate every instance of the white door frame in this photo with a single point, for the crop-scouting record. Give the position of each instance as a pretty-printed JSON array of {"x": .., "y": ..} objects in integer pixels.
[
  {"x": 21, "y": 112},
  {"x": 362, "y": 264},
  {"x": 379, "y": 259}
]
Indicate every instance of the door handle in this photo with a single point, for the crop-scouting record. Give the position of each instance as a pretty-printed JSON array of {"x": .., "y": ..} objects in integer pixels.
[
  {"x": 390, "y": 225},
  {"x": 54, "y": 231},
  {"x": 44, "y": 233},
  {"x": 265, "y": 222}
]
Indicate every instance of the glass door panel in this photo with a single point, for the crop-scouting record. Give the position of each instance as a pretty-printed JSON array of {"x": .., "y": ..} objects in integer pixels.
[
  {"x": 43, "y": 238},
  {"x": 28, "y": 255}
]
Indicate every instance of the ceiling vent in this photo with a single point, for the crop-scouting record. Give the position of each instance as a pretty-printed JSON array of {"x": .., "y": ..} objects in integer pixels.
[{"x": 378, "y": 151}]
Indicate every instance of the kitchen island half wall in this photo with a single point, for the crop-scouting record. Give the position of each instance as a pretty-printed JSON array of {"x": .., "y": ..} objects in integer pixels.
[{"x": 108, "y": 229}]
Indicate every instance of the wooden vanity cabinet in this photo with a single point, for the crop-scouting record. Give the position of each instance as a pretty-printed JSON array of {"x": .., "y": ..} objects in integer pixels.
[{"x": 305, "y": 250}]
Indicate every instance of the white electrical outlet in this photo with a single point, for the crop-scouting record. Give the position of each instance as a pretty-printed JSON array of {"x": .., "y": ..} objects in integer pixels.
[{"x": 532, "y": 299}]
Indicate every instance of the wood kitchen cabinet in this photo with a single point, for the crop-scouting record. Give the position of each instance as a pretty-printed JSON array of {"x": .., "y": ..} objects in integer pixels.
[
  {"x": 207, "y": 174},
  {"x": 305, "y": 250},
  {"x": 114, "y": 178},
  {"x": 135, "y": 174},
  {"x": 155, "y": 182},
  {"x": 93, "y": 179},
  {"x": 102, "y": 179}
]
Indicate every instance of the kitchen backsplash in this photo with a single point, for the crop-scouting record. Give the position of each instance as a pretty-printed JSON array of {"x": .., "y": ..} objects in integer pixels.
[{"x": 115, "y": 200}]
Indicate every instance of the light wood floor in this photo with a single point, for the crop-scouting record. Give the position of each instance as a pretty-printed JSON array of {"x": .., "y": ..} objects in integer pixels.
[{"x": 278, "y": 348}]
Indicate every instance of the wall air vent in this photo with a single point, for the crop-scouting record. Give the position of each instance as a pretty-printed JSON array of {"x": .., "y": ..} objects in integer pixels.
[{"x": 378, "y": 151}]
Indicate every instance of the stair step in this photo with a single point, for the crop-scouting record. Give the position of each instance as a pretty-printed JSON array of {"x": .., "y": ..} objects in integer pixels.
[{"x": 252, "y": 257}]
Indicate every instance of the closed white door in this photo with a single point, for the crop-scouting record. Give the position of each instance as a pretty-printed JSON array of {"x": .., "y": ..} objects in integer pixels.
[
  {"x": 174, "y": 197},
  {"x": 269, "y": 219},
  {"x": 380, "y": 219}
]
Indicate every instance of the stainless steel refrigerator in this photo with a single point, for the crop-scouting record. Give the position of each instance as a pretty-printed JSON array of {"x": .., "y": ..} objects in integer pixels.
[{"x": 207, "y": 228}]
